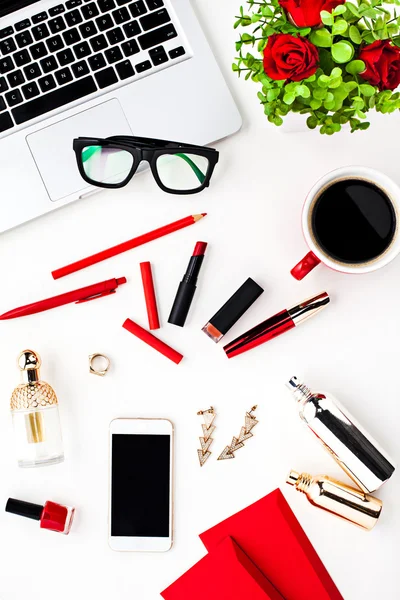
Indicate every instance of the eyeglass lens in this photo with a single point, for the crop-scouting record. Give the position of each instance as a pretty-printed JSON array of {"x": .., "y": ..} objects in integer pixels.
[
  {"x": 106, "y": 164},
  {"x": 182, "y": 171}
]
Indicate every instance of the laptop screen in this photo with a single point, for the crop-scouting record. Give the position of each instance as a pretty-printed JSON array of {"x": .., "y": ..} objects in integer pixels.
[{"x": 8, "y": 6}]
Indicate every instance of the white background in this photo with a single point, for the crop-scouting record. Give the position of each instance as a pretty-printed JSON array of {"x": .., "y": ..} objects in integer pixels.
[{"x": 253, "y": 229}]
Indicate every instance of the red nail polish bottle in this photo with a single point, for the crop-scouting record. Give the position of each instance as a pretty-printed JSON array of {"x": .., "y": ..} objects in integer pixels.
[{"x": 52, "y": 516}]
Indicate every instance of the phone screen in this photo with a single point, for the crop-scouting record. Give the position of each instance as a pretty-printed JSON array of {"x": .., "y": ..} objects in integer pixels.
[{"x": 140, "y": 485}]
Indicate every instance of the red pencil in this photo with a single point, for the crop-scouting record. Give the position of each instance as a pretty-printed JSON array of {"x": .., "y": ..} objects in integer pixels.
[{"x": 138, "y": 241}]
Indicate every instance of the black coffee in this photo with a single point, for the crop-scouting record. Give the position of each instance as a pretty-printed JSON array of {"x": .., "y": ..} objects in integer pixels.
[{"x": 353, "y": 221}]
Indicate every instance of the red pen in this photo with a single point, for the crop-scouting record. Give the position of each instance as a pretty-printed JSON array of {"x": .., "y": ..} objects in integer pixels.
[{"x": 90, "y": 292}]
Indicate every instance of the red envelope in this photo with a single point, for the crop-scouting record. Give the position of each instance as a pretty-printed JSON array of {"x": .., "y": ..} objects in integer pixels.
[
  {"x": 274, "y": 540},
  {"x": 226, "y": 573}
]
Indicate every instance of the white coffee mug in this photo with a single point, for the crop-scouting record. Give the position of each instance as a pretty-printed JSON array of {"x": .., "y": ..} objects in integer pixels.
[{"x": 316, "y": 255}]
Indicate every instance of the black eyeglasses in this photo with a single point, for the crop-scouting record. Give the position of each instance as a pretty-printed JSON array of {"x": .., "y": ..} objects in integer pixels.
[{"x": 177, "y": 168}]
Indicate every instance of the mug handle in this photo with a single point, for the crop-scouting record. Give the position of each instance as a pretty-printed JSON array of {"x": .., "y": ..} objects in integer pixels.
[{"x": 303, "y": 268}]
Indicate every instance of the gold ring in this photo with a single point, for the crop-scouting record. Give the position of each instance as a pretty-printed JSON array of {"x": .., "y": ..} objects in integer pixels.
[{"x": 103, "y": 358}]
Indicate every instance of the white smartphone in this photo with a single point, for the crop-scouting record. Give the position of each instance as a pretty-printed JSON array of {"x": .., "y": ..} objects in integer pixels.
[{"x": 141, "y": 485}]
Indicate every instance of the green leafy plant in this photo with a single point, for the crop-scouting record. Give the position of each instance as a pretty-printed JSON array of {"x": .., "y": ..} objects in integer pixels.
[{"x": 338, "y": 92}]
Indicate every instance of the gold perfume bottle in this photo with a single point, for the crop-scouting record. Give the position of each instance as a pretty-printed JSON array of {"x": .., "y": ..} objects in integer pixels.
[
  {"x": 36, "y": 420},
  {"x": 338, "y": 498}
]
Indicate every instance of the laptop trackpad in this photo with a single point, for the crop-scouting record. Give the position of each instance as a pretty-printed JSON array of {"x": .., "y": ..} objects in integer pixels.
[{"x": 51, "y": 147}]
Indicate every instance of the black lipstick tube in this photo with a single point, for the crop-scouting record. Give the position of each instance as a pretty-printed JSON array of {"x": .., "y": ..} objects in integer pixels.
[{"x": 187, "y": 287}]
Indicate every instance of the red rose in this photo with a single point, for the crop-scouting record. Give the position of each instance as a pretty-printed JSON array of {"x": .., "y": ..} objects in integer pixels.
[
  {"x": 306, "y": 13},
  {"x": 382, "y": 61},
  {"x": 290, "y": 57}
]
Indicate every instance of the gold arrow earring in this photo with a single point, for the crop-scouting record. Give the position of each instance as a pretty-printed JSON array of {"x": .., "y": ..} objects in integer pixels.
[
  {"x": 245, "y": 433},
  {"x": 208, "y": 429}
]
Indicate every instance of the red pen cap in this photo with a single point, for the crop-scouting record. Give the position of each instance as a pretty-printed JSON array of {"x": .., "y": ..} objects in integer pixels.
[
  {"x": 149, "y": 295},
  {"x": 152, "y": 341}
]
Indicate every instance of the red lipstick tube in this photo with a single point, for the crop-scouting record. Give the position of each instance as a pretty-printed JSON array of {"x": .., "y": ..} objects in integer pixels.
[
  {"x": 274, "y": 326},
  {"x": 187, "y": 287}
]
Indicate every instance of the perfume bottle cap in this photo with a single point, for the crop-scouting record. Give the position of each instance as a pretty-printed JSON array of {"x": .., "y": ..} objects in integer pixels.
[
  {"x": 29, "y": 363},
  {"x": 300, "y": 391},
  {"x": 293, "y": 477},
  {"x": 32, "y": 393},
  {"x": 24, "y": 509},
  {"x": 292, "y": 384}
]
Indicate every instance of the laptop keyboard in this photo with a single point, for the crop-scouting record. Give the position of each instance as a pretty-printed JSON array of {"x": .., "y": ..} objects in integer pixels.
[{"x": 77, "y": 48}]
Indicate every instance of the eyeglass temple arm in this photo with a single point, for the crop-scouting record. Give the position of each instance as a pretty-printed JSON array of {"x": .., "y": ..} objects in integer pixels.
[
  {"x": 199, "y": 174},
  {"x": 151, "y": 142},
  {"x": 136, "y": 141}
]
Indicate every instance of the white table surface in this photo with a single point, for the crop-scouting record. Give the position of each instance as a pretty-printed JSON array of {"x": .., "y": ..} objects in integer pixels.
[{"x": 253, "y": 229}]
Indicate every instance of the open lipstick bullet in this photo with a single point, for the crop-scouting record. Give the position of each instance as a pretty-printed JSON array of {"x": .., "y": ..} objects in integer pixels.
[
  {"x": 284, "y": 321},
  {"x": 187, "y": 287}
]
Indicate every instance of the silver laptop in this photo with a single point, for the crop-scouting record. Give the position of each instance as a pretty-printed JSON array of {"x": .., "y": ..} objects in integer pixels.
[{"x": 97, "y": 68}]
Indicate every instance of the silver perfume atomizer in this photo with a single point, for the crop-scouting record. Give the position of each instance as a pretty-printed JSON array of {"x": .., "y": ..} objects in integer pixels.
[{"x": 356, "y": 452}]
